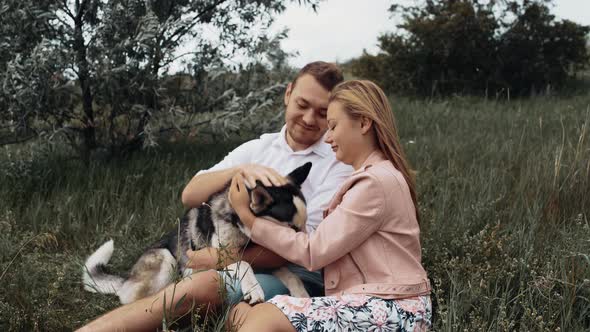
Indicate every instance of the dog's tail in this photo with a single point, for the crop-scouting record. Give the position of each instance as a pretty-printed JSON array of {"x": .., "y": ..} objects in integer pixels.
[{"x": 94, "y": 277}]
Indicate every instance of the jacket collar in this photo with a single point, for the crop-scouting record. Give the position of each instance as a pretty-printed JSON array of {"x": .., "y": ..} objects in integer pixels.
[{"x": 374, "y": 158}]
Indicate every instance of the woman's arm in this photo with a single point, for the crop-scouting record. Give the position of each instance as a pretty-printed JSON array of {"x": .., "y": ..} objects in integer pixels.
[{"x": 358, "y": 216}]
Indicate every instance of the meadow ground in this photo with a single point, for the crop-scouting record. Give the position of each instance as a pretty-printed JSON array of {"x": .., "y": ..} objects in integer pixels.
[{"x": 504, "y": 195}]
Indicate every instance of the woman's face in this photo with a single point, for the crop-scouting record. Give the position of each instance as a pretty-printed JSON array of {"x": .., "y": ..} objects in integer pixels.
[{"x": 344, "y": 134}]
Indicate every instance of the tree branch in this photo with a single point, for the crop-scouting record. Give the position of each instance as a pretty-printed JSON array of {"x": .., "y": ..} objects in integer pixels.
[
  {"x": 66, "y": 9},
  {"x": 169, "y": 61},
  {"x": 81, "y": 9},
  {"x": 182, "y": 30}
]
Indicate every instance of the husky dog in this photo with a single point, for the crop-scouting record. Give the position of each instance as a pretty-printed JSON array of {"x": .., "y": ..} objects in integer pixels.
[{"x": 213, "y": 224}]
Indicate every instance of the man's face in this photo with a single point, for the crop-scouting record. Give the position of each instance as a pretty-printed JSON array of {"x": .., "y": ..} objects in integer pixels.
[{"x": 305, "y": 115}]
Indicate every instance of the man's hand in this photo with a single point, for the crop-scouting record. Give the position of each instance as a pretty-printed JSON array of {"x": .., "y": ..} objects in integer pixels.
[{"x": 268, "y": 176}]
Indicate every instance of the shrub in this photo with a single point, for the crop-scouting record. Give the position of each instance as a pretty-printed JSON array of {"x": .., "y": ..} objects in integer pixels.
[{"x": 466, "y": 46}]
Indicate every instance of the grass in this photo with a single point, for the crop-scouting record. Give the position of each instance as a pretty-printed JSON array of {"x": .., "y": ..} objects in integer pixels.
[{"x": 504, "y": 195}]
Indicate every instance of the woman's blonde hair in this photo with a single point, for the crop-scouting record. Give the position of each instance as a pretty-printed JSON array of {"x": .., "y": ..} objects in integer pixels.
[{"x": 365, "y": 99}]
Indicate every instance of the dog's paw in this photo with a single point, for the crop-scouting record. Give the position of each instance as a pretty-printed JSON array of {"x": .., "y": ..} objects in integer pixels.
[{"x": 253, "y": 293}]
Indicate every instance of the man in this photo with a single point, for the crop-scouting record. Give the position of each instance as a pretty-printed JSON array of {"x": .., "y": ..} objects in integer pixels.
[{"x": 264, "y": 159}]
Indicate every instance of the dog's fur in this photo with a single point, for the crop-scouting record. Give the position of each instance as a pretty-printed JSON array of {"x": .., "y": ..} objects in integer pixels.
[{"x": 214, "y": 224}]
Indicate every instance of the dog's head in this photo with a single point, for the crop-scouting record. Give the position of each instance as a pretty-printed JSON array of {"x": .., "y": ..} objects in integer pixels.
[{"x": 284, "y": 204}]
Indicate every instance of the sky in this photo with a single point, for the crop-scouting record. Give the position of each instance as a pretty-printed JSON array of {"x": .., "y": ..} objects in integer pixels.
[{"x": 341, "y": 29}]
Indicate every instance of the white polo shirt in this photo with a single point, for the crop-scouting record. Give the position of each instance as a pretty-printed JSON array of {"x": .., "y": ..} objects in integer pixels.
[{"x": 271, "y": 150}]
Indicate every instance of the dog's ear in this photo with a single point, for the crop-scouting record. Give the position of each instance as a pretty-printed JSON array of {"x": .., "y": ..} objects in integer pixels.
[
  {"x": 300, "y": 174},
  {"x": 260, "y": 199}
]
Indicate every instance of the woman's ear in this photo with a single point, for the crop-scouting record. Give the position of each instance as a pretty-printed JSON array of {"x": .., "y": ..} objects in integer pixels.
[{"x": 366, "y": 124}]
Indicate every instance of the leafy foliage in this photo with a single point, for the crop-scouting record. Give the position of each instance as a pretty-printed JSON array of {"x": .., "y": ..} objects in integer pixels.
[
  {"x": 97, "y": 72},
  {"x": 470, "y": 46}
]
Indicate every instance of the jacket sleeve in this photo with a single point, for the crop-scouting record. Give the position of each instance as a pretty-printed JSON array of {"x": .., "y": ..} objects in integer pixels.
[{"x": 357, "y": 217}]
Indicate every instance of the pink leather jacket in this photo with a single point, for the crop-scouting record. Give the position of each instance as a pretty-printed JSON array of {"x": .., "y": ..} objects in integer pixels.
[{"x": 369, "y": 241}]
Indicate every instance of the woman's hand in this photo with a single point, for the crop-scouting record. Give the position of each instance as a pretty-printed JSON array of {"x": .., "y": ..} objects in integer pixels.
[{"x": 240, "y": 200}]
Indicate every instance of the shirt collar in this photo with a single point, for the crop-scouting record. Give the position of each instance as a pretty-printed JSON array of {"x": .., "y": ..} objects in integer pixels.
[{"x": 320, "y": 148}]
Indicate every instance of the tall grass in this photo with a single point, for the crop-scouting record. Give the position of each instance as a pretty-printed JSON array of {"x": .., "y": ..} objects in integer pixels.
[
  {"x": 504, "y": 194},
  {"x": 505, "y": 197}
]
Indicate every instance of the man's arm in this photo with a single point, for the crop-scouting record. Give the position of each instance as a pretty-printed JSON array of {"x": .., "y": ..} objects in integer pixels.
[
  {"x": 262, "y": 258},
  {"x": 213, "y": 258},
  {"x": 202, "y": 186},
  {"x": 207, "y": 182}
]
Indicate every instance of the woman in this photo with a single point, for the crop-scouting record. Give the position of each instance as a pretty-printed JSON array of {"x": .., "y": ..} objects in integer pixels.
[{"x": 368, "y": 244}]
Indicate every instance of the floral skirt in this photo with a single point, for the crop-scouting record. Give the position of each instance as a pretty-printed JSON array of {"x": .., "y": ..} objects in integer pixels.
[{"x": 356, "y": 312}]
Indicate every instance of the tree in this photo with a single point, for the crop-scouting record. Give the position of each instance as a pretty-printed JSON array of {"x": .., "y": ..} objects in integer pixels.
[
  {"x": 537, "y": 51},
  {"x": 114, "y": 57},
  {"x": 471, "y": 46}
]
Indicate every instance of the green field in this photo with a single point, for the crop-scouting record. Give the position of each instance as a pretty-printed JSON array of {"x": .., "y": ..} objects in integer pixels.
[{"x": 504, "y": 194}]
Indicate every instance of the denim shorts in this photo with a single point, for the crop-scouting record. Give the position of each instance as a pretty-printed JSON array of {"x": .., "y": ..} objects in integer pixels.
[{"x": 272, "y": 286}]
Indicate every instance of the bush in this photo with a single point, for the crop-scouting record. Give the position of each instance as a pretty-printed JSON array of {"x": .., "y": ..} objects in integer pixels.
[
  {"x": 100, "y": 80},
  {"x": 465, "y": 46}
]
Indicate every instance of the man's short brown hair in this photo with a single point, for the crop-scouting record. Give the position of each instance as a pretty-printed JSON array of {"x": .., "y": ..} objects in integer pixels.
[{"x": 326, "y": 73}]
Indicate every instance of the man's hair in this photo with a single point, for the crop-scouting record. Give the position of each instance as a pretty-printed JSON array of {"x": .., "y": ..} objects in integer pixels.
[{"x": 326, "y": 73}]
